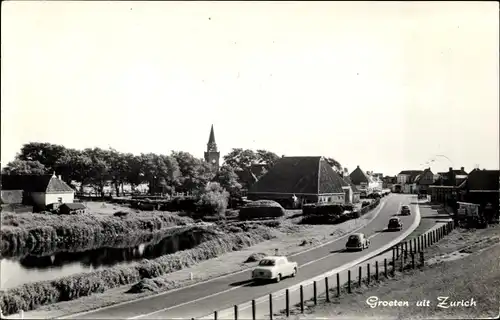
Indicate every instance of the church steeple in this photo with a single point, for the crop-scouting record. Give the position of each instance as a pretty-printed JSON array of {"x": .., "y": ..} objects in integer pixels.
[
  {"x": 212, "y": 155},
  {"x": 211, "y": 139}
]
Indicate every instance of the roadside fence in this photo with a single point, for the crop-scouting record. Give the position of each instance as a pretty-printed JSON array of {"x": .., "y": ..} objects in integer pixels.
[{"x": 405, "y": 255}]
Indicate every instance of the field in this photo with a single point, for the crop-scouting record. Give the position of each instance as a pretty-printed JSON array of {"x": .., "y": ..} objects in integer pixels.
[
  {"x": 288, "y": 237},
  {"x": 462, "y": 266}
]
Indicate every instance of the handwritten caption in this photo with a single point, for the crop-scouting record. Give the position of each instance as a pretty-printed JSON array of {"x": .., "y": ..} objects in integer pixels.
[{"x": 441, "y": 302}]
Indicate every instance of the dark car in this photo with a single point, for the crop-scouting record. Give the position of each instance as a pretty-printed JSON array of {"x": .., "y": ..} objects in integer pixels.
[
  {"x": 422, "y": 196},
  {"x": 357, "y": 241},
  {"x": 395, "y": 224},
  {"x": 405, "y": 211}
]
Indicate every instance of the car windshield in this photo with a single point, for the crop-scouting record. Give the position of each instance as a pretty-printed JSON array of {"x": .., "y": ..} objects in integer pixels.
[
  {"x": 405, "y": 207},
  {"x": 267, "y": 263},
  {"x": 353, "y": 238},
  {"x": 393, "y": 220}
]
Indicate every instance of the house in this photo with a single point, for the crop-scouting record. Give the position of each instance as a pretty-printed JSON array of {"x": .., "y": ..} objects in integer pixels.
[
  {"x": 424, "y": 180},
  {"x": 449, "y": 187},
  {"x": 72, "y": 208},
  {"x": 406, "y": 181},
  {"x": 39, "y": 190},
  {"x": 388, "y": 182},
  {"x": 356, "y": 194},
  {"x": 483, "y": 188},
  {"x": 361, "y": 180},
  {"x": 304, "y": 179}
]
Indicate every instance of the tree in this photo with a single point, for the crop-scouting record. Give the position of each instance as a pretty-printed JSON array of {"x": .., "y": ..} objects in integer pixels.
[
  {"x": 213, "y": 196},
  {"x": 24, "y": 167},
  {"x": 267, "y": 157},
  {"x": 194, "y": 173},
  {"x": 159, "y": 171},
  {"x": 228, "y": 180},
  {"x": 243, "y": 160},
  {"x": 46, "y": 153},
  {"x": 99, "y": 168},
  {"x": 335, "y": 164}
]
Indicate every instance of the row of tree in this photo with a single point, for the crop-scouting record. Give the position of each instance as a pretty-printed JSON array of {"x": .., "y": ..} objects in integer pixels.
[
  {"x": 179, "y": 171},
  {"x": 176, "y": 172}
]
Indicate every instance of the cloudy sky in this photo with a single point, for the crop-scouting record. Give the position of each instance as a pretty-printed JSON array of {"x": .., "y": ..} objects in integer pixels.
[{"x": 387, "y": 86}]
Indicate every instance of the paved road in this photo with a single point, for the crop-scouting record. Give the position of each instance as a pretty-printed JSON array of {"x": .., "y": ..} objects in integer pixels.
[
  {"x": 221, "y": 293},
  {"x": 262, "y": 308}
]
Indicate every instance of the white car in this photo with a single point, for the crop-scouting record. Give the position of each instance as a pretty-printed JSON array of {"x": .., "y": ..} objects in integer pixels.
[{"x": 274, "y": 268}]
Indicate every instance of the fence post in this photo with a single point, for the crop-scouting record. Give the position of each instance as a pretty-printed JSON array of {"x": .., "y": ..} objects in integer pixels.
[
  {"x": 349, "y": 281},
  {"x": 413, "y": 260},
  {"x": 327, "y": 292},
  {"x": 411, "y": 247},
  {"x": 287, "y": 300},
  {"x": 406, "y": 249},
  {"x": 402, "y": 264},
  {"x": 360, "y": 271},
  {"x": 216, "y": 315},
  {"x": 394, "y": 254},
  {"x": 315, "y": 292},
  {"x": 368, "y": 273},
  {"x": 301, "y": 299},
  {"x": 422, "y": 259},
  {"x": 253, "y": 309},
  {"x": 235, "y": 312},
  {"x": 385, "y": 267},
  {"x": 415, "y": 244},
  {"x": 376, "y": 270},
  {"x": 394, "y": 265},
  {"x": 271, "y": 306},
  {"x": 338, "y": 283}
]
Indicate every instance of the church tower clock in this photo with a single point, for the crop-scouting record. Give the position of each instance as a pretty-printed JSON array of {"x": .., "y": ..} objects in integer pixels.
[{"x": 212, "y": 155}]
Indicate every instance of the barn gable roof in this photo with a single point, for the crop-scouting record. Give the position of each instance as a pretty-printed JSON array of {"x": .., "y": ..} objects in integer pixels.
[{"x": 300, "y": 175}]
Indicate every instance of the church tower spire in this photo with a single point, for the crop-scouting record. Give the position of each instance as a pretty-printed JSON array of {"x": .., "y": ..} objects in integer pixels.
[{"x": 212, "y": 155}]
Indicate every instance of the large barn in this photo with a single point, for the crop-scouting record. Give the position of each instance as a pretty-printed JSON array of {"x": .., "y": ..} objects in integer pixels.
[{"x": 304, "y": 179}]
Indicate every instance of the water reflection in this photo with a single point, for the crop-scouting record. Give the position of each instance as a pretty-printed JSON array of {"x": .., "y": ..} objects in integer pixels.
[{"x": 39, "y": 268}]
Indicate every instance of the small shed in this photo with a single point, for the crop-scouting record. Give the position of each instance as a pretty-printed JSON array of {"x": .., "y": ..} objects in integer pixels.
[{"x": 72, "y": 208}]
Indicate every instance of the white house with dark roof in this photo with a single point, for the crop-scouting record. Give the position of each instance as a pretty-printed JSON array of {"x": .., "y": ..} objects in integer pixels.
[{"x": 39, "y": 190}]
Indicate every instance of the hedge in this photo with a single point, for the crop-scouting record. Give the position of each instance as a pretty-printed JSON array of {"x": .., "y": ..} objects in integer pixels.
[
  {"x": 261, "y": 209},
  {"x": 45, "y": 234},
  {"x": 30, "y": 296}
]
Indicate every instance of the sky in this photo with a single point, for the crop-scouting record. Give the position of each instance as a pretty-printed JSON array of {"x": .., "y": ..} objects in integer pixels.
[{"x": 388, "y": 86}]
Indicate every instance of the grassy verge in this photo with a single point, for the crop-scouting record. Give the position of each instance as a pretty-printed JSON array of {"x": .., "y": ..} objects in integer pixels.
[
  {"x": 462, "y": 266},
  {"x": 31, "y": 296},
  {"x": 39, "y": 234}
]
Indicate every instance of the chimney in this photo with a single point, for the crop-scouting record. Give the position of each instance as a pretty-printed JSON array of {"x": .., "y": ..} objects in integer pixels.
[
  {"x": 451, "y": 169},
  {"x": 54, "y": 175},
  {"x": 462, "y": 168},
  {"x": 59, "y": 177}
]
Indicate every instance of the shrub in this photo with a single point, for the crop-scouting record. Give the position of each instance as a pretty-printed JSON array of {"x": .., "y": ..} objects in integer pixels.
[
  {"x": 323, "y": 209},
  {"x": 120, "y": 213},
  {"x": 365, "y": 203},
  {"x": 261, "y": 209},
  {"x": 213, "y": 200},
  {"x": 30, "y": 296}
]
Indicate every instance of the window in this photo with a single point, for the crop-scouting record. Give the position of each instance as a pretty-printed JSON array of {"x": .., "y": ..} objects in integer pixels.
[{"x": 59, "y": 200}]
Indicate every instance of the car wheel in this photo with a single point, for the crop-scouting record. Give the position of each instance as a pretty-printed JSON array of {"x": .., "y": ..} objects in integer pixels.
[
  {"x": 294, "y": 272},
  {"x": 278, "y": 278}
]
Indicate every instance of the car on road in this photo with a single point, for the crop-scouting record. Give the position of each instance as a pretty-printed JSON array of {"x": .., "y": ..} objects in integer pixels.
[
  {"x": 357, "y": 241},
  {"x": 405, "y": 210},
  {"x": 395, "y": 224},
  {"x": 275, "y": 268},
  {"x": 422, "y": 196}
]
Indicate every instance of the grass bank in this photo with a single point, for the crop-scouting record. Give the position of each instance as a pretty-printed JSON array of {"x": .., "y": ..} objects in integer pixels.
[
  {"x": 41, "y": 234},
  {"x": 31, "y": 296},
  {"x": 462, "y": 266}
]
